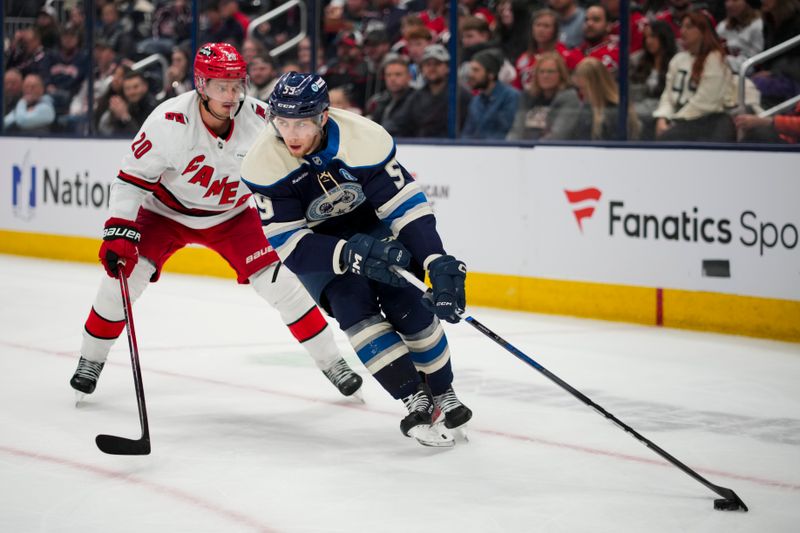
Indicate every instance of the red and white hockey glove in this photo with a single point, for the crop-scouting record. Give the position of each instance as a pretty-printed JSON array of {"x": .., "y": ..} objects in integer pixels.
[{"x": 120, "y": 245}]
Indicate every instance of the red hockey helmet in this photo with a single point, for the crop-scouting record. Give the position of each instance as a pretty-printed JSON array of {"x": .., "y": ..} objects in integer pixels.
[{"x": 218, "y": 61}]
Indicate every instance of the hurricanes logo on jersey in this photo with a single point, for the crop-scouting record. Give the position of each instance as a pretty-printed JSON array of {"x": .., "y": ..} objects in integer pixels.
[{"x": 224, "y": 189}]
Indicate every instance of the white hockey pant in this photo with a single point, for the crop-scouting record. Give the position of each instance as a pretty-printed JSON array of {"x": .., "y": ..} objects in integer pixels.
[{"x": 281, "y": 288}]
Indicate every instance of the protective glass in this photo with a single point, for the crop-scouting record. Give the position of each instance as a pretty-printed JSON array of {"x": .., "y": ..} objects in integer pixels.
[{"x": 226, "y": 91}]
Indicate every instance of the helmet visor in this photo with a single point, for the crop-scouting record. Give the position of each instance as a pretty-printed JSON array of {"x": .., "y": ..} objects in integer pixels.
[{"x": 227, "y": 91}]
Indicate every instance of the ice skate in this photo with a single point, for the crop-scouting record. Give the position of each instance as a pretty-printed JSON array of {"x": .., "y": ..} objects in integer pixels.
[
  {"x": 344, "y": 379},
  {"x": 84, "y": 381},
  {"x": 456, "y": 414},
  {"x": 419, "y": 421}
]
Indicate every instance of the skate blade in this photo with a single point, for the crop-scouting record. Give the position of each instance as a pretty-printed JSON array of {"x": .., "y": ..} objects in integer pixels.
[
  {"x": 460, "y": 433},
  {"x": 79, "y": 396},
  {"x": 435, "y": 436},
  {"x": 358, "y": 396}
]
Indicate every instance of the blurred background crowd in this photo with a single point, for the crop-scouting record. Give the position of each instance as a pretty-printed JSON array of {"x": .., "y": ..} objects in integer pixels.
[{"x": 526, "y": 69}]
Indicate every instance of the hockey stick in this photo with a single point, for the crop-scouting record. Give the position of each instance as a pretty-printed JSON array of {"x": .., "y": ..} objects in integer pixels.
[
  {"x": 730, "y": 501},
  {"x": 120, "y": 445}
]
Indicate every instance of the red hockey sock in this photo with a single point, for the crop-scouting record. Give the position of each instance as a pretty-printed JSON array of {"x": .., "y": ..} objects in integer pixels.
[
  {"x": 308, "y": 326},
  {"x": 102, "y": 328}
]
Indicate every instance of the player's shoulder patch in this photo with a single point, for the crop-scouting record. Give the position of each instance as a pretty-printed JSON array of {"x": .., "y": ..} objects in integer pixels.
[
  {"x": 174, "y": 114},
  {"x": 267, "y": 161},
  {"x": 256, "y": 106},
  {"x": 362, "y": 142}
]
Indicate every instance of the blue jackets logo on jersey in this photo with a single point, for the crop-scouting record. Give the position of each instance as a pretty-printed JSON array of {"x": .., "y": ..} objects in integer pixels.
[
  {"x": 346, "y": 175},
  {"x": 339, "y": 201}
]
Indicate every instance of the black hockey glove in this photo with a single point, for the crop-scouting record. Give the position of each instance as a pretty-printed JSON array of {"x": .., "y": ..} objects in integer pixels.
[
  {"x": 449, "y": 297},
  {"x": 367, "y": 256}
]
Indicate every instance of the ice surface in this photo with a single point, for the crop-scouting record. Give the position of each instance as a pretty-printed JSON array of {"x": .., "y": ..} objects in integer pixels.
[{"x": 248, "y": 435}]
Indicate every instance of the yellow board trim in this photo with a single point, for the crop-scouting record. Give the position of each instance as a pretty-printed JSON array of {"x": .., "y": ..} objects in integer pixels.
[
  {"x": 189, "y": 260},
  {"x": 706, "y": 311}
]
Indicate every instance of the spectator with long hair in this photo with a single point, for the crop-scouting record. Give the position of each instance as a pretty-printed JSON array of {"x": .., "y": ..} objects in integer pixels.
[
  {"x": 597, "y": 116},
  {"x": 543, "y": 38},
  {"x": 511, "y": 26},
  {"x": 179, "y": 74},
  {"x": 742, "y": 31},
  {"x": 699, "y": 86},
  {"x": 649, "y": 72},
  {"x": 548, "y": 106}
]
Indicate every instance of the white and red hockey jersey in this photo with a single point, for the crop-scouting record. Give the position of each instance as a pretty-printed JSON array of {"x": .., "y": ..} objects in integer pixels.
[{"x": 180, "y": 169}]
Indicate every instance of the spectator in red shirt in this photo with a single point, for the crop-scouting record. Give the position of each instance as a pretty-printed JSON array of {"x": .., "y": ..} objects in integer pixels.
[
  {"x": 476, "y": 8},
  {"x": 637, "y": 23},
  {"x": 229, "y": 9},
  {"x": 674, "y": 14},
  {"x": 434, "y": 16},
  {"x": 543, "y": 39},
  {"x": 598, "y": 42}
]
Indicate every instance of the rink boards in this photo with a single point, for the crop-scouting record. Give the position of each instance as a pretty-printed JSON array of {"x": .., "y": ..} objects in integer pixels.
[{"x": 699, "y": 239}]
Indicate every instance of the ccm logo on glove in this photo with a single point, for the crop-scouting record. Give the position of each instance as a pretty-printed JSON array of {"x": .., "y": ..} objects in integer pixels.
[{"x": 366, "y": 256}]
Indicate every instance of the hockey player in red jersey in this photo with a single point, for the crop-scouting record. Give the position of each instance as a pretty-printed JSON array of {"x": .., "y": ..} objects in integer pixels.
[{"x": 179, "y": 184}]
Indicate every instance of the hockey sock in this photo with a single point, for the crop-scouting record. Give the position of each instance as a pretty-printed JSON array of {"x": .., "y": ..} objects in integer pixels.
[
  {"x": 431, "y": 355},
  {"x": 385, "y": 355}
]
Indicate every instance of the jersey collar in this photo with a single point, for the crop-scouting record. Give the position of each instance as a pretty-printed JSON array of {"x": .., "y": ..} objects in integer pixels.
[{"x": 214, "y": 135}]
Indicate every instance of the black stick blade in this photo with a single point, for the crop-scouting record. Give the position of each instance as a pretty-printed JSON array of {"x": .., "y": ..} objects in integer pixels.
[
  {"x": 113, "y": 445},
  {"x": 730, "y": 502}
]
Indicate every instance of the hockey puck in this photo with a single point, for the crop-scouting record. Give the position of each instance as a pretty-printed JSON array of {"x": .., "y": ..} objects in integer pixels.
[{"x": 724, "y": 504}]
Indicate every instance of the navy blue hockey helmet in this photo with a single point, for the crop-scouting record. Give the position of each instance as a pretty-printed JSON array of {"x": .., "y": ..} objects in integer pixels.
[{"x": 299, "y": 96}]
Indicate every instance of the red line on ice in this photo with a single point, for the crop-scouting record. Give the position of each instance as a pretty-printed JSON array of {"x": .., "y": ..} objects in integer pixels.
[
  {"x": 172, "y": 492},
  {"x": 362, "y": 407}
]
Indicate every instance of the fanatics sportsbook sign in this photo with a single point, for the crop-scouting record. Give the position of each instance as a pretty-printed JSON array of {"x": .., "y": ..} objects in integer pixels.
[
  {"x": 701, "y": 220},
  {"x": 718, "y": 221}
]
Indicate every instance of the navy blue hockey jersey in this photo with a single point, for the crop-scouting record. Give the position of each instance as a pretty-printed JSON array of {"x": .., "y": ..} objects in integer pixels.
[{"x": 353, "y": 184}]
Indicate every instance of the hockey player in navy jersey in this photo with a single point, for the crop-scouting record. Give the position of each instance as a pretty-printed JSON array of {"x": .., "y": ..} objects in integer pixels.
[
  {"x": 341, "y": 212},
  {"x": 179, "y": 184}
]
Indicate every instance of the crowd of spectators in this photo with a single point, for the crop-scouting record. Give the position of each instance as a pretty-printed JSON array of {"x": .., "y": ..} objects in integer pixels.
[{"x": 527, "y": 69}]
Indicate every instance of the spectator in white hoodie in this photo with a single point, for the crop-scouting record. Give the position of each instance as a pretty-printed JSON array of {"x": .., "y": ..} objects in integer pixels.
[{"x": 699, "y": 86}]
